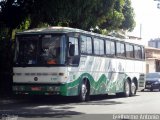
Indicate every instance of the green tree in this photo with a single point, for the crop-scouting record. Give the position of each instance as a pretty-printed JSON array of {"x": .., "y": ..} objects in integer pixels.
[
  {"x": 11, "y": 15},
  {"x": 128, "y": 12},
  {"x": 74, "y": 13},
  {"x": 121, "y": 17},
  {"x": 106, "y": 14}
]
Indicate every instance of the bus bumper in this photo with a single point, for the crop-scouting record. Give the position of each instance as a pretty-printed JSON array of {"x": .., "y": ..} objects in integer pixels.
[
  {"x": 50, "y": 89},
  {"x": 37, "y": 89}
]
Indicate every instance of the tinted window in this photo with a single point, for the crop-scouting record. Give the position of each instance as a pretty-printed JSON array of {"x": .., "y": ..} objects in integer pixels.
[
  {"x": 120, "y": 49},
  {"x": 137, "y": 52},
  {"x": 101, "y": 43},
  {"x": 73, "y": 60},
  {"x": 98, "y": 46},
  {"x": 44, "y": 50},
  {"x": 86, "y": 44},
  {"x": 129, "y": 51},
  {"x": 110, "y": 48},
  {"x": 74, "y": 41},
  {"x": 143, "y": 53},
  {"x": 153, "y": 75}
]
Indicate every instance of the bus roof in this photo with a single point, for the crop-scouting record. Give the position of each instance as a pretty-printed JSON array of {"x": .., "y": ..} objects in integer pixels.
[
  {"x": 51, "y": 30},
  {"x": 56, "y": 29}
]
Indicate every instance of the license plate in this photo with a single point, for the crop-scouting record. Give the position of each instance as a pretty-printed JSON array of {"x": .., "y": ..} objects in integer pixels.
[
  {"x": 148, "y": 86},
  {"x": 35, "y": 88}
]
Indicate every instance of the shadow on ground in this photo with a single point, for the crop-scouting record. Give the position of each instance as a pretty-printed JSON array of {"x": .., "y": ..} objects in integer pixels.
[{"x": 50, "y": 106}]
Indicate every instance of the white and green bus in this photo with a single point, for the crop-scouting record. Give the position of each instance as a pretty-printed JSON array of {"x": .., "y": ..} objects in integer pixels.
[{"x": 72, "y": 62}]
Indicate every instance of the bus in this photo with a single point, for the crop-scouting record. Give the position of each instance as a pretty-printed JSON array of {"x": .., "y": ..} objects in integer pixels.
[{"x": 72, "y": 62}]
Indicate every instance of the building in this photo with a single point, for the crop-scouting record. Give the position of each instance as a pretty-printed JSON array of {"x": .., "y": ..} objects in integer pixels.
[
  {"x": 152, "y": 59},
  {"x": 154, "y": 43}
]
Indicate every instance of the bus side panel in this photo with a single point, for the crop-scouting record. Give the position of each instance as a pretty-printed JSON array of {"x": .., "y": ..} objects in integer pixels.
[{"x": 105, "y": 75}]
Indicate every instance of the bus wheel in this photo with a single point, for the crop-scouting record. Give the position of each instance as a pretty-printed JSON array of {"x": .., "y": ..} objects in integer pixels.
[
  {"x": 84, "y": 91},
  {"x": 133, "y": 89},
  {"x": 127, "y": 89}
]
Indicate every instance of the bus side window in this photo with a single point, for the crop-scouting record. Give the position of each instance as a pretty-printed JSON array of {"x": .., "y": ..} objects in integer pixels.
[
  {"x": 129, "y": 51},
  {"x": 73, "y": 52},
  {"x": 137, "y": 52},
  {"x": 74, "y": 41},
  {"x": 143, "y": 53},
  {"x": 98, "y": 46},
  {"x": 110, "y": 48},
  {"x": 120, "y": 49},
  {"x": 86, "y": 44}
]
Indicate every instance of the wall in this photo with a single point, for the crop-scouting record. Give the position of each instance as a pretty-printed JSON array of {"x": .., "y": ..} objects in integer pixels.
[{"x": 150, "y": 65}]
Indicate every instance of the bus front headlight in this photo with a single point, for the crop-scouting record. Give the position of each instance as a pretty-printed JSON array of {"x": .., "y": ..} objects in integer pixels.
[
  {"x": 18, "y": 88},
  {"x": 53, "y": 88},
  {"x": 57, "y": 88},
  {"x": 15, "y": 88},
  {"x": 50, "y": 89}
]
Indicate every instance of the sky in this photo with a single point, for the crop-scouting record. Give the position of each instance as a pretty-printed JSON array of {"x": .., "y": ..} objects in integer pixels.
[{"x": 147, "y": 15}]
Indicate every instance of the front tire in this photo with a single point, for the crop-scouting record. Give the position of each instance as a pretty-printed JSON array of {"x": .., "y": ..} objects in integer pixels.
[{"x": 84, "y": 91}]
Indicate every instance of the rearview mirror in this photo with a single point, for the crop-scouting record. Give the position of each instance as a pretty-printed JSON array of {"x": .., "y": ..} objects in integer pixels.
[{"x": 72, "y": 50}]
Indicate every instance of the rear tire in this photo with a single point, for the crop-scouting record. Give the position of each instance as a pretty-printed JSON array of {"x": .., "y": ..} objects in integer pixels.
[
  {"x": 127, "y": 89},
  {"x": 133, "y": 89}
]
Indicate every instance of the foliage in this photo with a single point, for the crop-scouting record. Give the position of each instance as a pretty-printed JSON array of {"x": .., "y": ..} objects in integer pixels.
[
  {"x": 5, "y": 66},
  {"x": 106, "y": 14},
  {"x": 11, "y": 15},
  {"x": 128, "y": 12},
  {"x": 121, "y": 17}
]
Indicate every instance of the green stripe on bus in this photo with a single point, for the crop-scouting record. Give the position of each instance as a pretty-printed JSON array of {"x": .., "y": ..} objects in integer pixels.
[{"x": 102, "y": 86}]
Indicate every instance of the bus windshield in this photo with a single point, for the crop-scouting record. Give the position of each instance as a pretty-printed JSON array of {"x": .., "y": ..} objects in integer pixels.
[{"x": 40, "y": 50}]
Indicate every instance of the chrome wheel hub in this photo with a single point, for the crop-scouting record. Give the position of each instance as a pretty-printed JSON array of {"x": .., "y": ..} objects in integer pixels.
[
  {"x": 84, "y": 90},
  {"x": 127, "y": 88}
]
